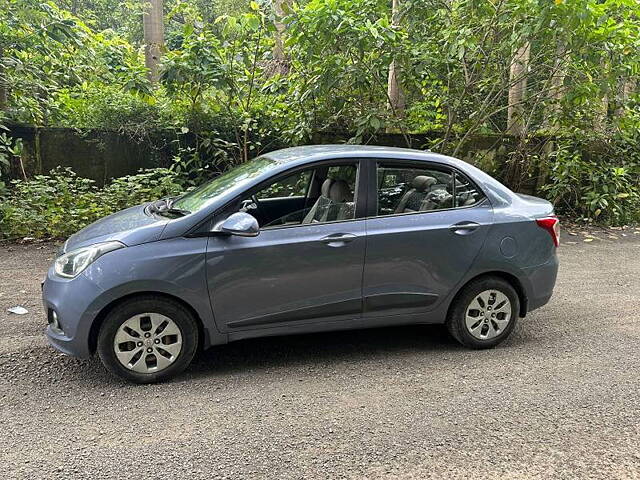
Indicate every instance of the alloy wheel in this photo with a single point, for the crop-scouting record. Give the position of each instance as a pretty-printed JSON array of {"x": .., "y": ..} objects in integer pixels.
[
  {"x": 488, "y": 314},
  {"x": 147, "y": 343}
]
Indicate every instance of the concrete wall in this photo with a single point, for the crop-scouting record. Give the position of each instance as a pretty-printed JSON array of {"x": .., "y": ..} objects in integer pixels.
[
  {"x": 99, "y": 155},
  {"x": 102, "y": 155}
]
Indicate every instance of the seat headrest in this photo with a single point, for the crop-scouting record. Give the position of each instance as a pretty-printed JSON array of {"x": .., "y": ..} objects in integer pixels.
[
  {"x": 339, "y": 192},
  {"x": 422, "y": 182},
  {"x": 326, "y": 187}
]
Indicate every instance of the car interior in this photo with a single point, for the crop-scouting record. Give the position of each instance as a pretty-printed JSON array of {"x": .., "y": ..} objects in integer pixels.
[
  {"x": 327, "y": 194},
  {"x": 408, "y": 190},
  {"x": 321, "y": 194}
]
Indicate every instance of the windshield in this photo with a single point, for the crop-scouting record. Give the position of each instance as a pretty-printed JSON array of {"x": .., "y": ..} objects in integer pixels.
[{"x": 198, "y": 198}]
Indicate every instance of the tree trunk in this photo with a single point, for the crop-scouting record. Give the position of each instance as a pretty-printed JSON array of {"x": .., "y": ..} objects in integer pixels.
[
  {"x": 280, "y": 58},
  {"x": 627, "y": 87},
  {"x": 3, "y": 85},
  {"x": 602, "y": 111},
  {"x": 3, "y": 97},
  {"x": 518, "y": 90},
  {"x": 153, "y": 27},
  {"x": 551, "y": 122},
  {"x": 394, "y": 87},
  {"x": 557, "y": 84}
]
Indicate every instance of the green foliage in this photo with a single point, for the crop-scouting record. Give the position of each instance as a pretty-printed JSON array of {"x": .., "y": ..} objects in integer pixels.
[
  {"x": 61, "y": 203},
  {"x": 10, "y": 148},
  {"x": 233, "y": 85},
  {"x": 146, "y": 186},
  {"x": 340, "y": 52},
  {"x": 194, "y": 165},
  {"x": 603, "y": 185},
  {"x": 108, "y": 107}
]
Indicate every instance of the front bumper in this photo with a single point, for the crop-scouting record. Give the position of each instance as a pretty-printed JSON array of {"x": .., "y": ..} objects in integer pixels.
[{"x": 72, "y": 301}]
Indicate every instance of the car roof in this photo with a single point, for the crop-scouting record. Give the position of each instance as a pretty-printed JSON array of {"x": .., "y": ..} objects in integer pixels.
[{"x": 311, "y": 153}]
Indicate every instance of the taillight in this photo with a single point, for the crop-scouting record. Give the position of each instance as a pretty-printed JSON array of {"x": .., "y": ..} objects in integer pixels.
[{"x": 551, "y": 225}]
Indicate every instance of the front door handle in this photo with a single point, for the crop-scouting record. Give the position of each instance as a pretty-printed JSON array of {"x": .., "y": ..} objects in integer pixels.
[
  {"x": 464, "y": 228},
  {"x": 338, "y": 239}
]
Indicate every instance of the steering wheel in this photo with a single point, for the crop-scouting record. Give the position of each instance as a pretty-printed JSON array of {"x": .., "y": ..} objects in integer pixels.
[{"x": 251, "y": 203}]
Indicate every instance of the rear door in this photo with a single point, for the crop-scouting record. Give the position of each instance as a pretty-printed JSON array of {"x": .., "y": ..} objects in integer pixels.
[{"x": 425, "y": 227}]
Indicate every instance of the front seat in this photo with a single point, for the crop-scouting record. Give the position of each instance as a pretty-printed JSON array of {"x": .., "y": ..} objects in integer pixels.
[
  {"x": 411, "y": 201},
  {"x": 335, "y": 203}
]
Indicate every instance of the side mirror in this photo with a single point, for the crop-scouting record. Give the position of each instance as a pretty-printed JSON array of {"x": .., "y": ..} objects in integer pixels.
[{"x": 241, "y": 224}]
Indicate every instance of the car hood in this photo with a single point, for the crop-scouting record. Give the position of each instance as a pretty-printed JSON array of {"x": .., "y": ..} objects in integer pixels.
[{"x": 131, "y": 226}]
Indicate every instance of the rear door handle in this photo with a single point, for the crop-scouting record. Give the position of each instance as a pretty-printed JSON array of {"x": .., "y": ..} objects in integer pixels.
[
  {"x": 464, "y": 228},
  {"x": 338, "y": 239}
]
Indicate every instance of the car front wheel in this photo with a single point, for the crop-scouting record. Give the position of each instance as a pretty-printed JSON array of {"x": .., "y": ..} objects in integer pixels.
[
  {"x": 147, "y": 339},
  {"x": 484, "y": 313}
]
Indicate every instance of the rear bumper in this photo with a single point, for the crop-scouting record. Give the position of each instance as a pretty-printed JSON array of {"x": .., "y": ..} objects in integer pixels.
[{"x": 541, "y": 281}]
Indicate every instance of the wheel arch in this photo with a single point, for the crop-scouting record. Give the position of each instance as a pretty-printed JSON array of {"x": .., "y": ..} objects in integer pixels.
[
  {"x": 99, "y": 319},
  {"x": 509, "y": 278}
]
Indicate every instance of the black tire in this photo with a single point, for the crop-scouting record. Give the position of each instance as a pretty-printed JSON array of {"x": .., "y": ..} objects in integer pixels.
[
  {"x": 148, "y": 304},
  {"x": 456, "y": 318}
]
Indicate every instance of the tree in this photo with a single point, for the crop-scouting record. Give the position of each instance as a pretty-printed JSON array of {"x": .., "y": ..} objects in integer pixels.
[
  {"x": 153, "y": 26},
  {"x": 518, "y": 74},
  {"x": 3, "y": 86},
  {"x": 394, "y": 87},
  {"x": 627, "y": 88},
  {"x": 280, "y": 58}
]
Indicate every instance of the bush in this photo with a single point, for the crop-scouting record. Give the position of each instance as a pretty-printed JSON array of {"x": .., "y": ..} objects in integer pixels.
[
  {"x": 61, "y": 203},
  {"x": 602, "y": 186},
  {"x": 136, "y": 189},
  {"x": 108, "y": 107}
]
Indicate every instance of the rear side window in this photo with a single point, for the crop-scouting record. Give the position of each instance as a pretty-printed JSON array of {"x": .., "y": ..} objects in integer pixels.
[
  {"x": 467, "y": 193},
  {"x": 411, "y": 189}
]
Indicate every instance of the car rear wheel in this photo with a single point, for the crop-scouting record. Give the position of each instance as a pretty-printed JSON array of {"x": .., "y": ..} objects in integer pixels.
[
  {"x": 148, "y": 339},
  {"x": 484, "y": 313}
]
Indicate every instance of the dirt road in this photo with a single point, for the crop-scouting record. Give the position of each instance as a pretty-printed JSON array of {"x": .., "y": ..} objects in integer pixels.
[{"x": 559, "y": 399}]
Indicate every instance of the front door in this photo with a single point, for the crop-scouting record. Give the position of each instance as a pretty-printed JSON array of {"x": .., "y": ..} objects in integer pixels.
[
  {"x": 304, "y": 268},
  {"x": 427, "y": 228}
]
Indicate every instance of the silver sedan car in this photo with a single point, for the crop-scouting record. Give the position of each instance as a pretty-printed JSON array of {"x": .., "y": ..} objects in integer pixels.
[{"x": 302, "y": 240}]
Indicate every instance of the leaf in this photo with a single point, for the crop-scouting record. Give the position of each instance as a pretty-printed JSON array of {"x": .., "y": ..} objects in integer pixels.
[
  {"x": 253, "y": 22},
  {"x": 254, "y": 6}
]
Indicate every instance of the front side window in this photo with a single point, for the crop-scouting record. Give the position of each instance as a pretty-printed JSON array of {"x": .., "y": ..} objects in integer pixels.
[
  {"x": 409, "y": 189},
  {"x": 315, "y": 195},
  {"x": 294, "y": 185}
]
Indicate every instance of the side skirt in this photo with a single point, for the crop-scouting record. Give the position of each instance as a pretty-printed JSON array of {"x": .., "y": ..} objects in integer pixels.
[{"x": 354, "y": 324}]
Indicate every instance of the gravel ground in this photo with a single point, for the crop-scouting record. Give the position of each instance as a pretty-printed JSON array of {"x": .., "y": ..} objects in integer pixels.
[{"x": 559, "y": 399}]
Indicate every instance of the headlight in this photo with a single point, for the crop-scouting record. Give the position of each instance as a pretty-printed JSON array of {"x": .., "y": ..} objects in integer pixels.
[{"x": 73, "y": 263}]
